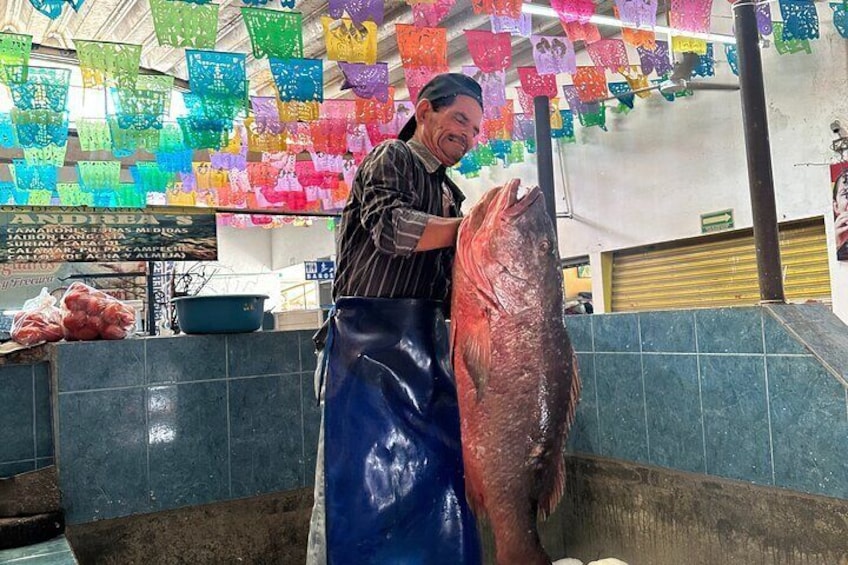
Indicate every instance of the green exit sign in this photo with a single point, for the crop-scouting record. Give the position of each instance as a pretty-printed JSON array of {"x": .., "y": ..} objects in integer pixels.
[{"x": 717, "y": 221}]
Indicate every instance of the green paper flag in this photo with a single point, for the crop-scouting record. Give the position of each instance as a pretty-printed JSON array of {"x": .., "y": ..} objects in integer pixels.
[
  {"x": 171, "y": 138},
  {"x": 108, "y": 64},
  {"x": 791, "y": 46},
  {"x": 128, "y": 196},
  {"x": 70, "y": 194},
  {"x": 184, "y": 24},
  {"x": 598, "y": 118},
  {"x": 51, "y": 154},
  {"x": 14, "y": 57},
  {"x": 274, "y": 33},
  {"x": 93, "y": 134},
  {"x": 127, "y": 140},
  {"x": 99, "y": 175}
]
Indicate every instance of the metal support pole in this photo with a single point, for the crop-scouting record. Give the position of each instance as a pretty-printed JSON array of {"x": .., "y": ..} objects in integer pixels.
[
  {"x": 151, "y": 300},
  {"x": 545, "y": 155},
  {"x": 758, "y": 150}
]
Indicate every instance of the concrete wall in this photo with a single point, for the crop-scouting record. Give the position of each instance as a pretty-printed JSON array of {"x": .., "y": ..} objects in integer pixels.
[
  {"x": 243, "y": 265},
  {"x": 643, "y": 515},
  {"x": 659, "y": 167},
  {"x": 650, "y": 177},
  {"x": 292, "y": 245}
]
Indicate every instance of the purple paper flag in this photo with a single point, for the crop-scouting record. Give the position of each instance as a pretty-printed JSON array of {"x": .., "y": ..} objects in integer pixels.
[
  {"x": 570, "y": 92},
  {"x": 493, "y": 85},
  {"x": 524, "y": 127},
  {"x": 553, "y": 54},
  {"x": 358, "y": 10},
  {"x": 367, "y": 81},
  {"x": 656, "y": 60},
  {"x": 639, "y": 12},
  {"x": 404, "y": 109},
  {"x": 264, "y": 106},
  {"x": 763, "y": 12},
  {"x": 521, "y": 26},
  {"x": 228, "y": 161}
]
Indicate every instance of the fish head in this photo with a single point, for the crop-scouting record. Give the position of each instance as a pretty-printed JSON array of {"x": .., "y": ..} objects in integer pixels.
[{"x": 509, "y": 249}]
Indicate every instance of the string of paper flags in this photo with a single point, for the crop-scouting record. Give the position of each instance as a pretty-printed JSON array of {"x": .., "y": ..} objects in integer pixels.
[{"x": 225, "y": 120}]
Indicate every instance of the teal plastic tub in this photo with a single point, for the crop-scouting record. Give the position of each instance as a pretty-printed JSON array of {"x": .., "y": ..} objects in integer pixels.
[{"x": 222, "y": 314}]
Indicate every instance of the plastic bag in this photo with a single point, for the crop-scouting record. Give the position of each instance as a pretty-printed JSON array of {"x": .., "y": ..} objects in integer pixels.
[
  {"x": 40, "y": 321},
  {"x": 90, "y": 314}
]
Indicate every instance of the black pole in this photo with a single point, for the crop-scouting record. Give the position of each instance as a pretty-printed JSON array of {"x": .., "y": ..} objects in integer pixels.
[
  {"x": 151, "y": 300},
  {"x": 544, "y": 154},
  {"x": 758, "y": 150}
]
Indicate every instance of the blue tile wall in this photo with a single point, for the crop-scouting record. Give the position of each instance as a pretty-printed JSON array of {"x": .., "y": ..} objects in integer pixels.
[
  {"x": 270, "y": 353},
  {"x": 182, "y": 421},
  {"x": 736, "y": 426},
  {"x": 778, "y": 340},
  {"x": 621, "y": 406},
  {"x": 729, "y": 330},
  {"x": 190, "y": 358},
  {"x": 808, "y": 455},
  {"x": 668, "y": 331},
  {"x": 26, "y": 434},
  {"x": 103, "y": 454},
  {"x": 580, "y": 332},
  {"x": 616, "y": 332},
  {"x": 729, "y": 392},
  {"x": 187, "y": 444},
  {"x": 90, "y": 365},
  {"x": 17, "y": 420},
  {"x": 263, "y": 458},
  {"x": 675, "y": 427}
]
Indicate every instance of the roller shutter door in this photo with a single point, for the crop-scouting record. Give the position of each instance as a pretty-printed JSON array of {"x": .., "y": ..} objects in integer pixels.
[{"x": 719, "y": 270}]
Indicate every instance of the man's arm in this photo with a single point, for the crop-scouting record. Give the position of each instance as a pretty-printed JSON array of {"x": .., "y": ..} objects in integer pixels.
[{"x": 438, "y": 233}]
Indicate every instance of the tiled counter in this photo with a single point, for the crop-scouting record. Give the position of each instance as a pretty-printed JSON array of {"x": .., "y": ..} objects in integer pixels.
[
  {"x": 725, "y": 392},
  {"x": 26, "y": 436},
  {"x": 152, "y": 424}
]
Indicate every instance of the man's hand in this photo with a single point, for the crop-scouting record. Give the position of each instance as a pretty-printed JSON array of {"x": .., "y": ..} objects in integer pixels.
[{"x": 441, "y": 232}]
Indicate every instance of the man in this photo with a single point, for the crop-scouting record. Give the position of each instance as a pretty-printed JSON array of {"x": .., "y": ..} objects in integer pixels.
[{"x": 389, "y": 483}]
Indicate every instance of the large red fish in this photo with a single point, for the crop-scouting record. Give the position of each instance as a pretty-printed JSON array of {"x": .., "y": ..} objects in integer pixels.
[{"x": 515, "y": 368}]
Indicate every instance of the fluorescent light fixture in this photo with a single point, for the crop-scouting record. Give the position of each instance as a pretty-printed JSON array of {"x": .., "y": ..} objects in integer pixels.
[{"x": 596, "y": 19}]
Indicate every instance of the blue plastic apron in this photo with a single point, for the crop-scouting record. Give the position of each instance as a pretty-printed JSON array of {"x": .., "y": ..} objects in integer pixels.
[{"x": 395, "y": 491}]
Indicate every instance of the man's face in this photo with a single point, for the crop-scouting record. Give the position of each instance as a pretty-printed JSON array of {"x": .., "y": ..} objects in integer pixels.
[
  {"x": 449, "y": 133},
  {"x": 840, "y": 201}
]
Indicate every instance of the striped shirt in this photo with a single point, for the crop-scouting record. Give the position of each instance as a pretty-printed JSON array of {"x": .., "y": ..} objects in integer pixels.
[{"x": 397, "y": 188}]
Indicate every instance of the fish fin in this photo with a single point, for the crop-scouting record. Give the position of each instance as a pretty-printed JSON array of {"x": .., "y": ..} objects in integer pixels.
[
  {"x": 477, "y": 356},
  {"x": 574, "y": 393},
  {"x": 553, "y": 493},
  {"x": 472, "y": 267}
]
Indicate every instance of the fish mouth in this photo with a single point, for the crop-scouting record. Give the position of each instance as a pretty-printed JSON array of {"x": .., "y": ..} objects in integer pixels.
[{"x": 517, "y": 202}]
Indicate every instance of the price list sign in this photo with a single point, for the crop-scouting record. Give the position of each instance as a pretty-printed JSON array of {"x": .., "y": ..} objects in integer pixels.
[{"x": 82, "y": 235}]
